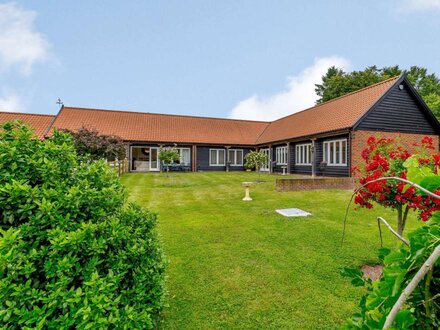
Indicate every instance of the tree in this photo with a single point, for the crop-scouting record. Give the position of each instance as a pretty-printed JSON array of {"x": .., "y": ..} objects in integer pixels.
[
  {"x": 336, "y": 82},
  {"x": 168, "y": 155},
  {"x": 256, "y": 159},
  {"x": 98, "y": 146},
  {"x": 386, "y": 158},
  {"x": 73, "y": 254}
]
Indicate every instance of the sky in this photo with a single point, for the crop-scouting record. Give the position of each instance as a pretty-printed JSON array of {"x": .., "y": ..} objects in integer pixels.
[{"x": 255, "y": 60}]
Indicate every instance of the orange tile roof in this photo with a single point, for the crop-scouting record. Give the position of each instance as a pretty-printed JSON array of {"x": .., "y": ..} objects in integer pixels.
[
  {"x": 40, "y": 123},
  {"x": 337, "y": 114},
  {"x": 138, "y": 126}
]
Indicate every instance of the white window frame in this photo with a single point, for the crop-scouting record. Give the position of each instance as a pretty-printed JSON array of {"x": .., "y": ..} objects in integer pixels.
[
  {"x": 307, "y": 147},
  {"x": 281, "y": 155},
  {"x": 265, "y": 167},
  {"x": 218, "y": 158},
  {"x": 326, "y": 156},
  {"x": 180, "y": 156},
  {"x": 235, "y": 161}
]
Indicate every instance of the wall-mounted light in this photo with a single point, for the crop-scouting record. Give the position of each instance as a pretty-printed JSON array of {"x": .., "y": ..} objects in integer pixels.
[{"x": 401, "y": 87}]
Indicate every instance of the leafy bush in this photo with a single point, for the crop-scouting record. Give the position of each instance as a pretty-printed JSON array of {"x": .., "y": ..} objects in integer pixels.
[
  {"x": 98, "y": 146},
  {"x": 256, "y": 160},
  {"x": 422, "y": 308},
  {"x": 71, "y": 254}
]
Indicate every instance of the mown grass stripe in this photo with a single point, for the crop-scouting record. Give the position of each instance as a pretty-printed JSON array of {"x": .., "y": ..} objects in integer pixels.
[{"x": 239, "y": 265}]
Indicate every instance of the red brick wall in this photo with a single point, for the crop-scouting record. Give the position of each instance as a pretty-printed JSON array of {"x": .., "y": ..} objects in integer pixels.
[
  {"x": 359, "y": 142},
  {"x": 314, "y": 183}
]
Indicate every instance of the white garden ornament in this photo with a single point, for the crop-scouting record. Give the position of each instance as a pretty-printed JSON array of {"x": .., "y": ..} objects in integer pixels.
[{"x": 247, "y": 186}]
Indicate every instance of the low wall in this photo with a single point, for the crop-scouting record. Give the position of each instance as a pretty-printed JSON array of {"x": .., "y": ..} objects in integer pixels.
[{"x": 314, "y": 183}]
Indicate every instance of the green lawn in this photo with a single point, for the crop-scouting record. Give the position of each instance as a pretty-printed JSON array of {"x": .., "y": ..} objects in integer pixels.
[{"x": 239, "y": 265}]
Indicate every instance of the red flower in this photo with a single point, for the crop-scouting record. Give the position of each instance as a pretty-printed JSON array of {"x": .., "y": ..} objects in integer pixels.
[
  {"x": 359, "y": 200},
  {"x": 371, "y": 140},
  {"x": 365, "y": 154},
  {"x": 424, "y": 215},
  {"x": 436, "y": 159},
  {"x": 428, "y": 142},
  {"x": 383, "y": 158}
]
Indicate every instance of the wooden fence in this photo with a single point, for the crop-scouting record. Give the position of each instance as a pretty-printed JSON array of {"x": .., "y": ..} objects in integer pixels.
[{"x": 120, "y": 166}]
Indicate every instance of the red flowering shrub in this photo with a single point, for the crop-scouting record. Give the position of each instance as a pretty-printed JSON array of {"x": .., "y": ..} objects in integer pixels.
[{"x": 385, "y": 158}]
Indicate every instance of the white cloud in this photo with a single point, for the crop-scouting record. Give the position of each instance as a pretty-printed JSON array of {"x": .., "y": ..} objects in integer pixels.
[
  {"x": 11, "y": 102},
  {"x": 20, "y": 45},
  {"x": 298, "y": 95},
  {"x": 417, "y": 5}
]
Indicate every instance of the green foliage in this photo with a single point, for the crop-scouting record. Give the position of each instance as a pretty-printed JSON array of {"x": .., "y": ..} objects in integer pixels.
[
  {"x": 417, "y": 173},
  {"x": 336, "y": 82},
  {"x": 89, "y": 142},
  {"x": 71, "y": 254},
  {"x": 422, "y": 308},
  {"x": 169, "y": 155},
  {"x": 256, "y": 160}
]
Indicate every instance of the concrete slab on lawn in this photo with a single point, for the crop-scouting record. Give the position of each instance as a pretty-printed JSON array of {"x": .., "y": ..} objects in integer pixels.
[{"x": 293, "y": 212}]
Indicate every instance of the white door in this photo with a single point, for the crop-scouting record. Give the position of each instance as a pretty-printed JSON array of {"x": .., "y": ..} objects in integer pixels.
[
  {"x": 154, "y": 159},
  {"x": 265, "y": 167}
]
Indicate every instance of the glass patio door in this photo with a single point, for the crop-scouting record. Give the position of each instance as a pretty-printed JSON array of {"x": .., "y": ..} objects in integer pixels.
[{"x": 154, "y": 159}]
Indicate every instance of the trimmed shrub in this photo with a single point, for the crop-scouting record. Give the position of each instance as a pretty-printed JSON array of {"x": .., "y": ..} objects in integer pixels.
[{"x": 72, "y": 253}]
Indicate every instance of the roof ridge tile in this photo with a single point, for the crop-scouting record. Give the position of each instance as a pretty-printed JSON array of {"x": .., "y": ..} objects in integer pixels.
[
  {"x": 27, "y": 113},
  {"x": 164, "y": 114}
]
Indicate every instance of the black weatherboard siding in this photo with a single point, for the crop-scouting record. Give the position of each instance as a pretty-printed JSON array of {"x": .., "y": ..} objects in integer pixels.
[
  {"x": 300, "y": 169},
  {"x": 335, "y": 171},
  {"x": 331, "y": 170},
  {"x": 203, "y": 159},
  {"x": 276, "y": 168},
  {"x": 398, "y": 111},
  {"x": 245, "y": 152}
]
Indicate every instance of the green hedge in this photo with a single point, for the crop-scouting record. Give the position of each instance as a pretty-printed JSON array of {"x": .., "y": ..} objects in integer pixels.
[{"x": 73, "y": 255}]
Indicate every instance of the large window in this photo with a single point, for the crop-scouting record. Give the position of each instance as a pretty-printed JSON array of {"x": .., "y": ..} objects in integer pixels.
[
  {"x": 303, "y": 154},
  {"x": 281, "y": 155},
  {"x": 235, "y": 157},
  {"x": 335, "y": 152},
  {"x": 185, "y": 156},
  {"x": 217, "y": 157}
]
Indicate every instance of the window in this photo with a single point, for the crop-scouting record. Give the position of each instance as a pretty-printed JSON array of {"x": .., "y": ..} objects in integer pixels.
[
  {"x": 303, "y": 155},
  {"x": 281, "y": 155},
  {"x": 185, "y": 156},
  {"x": 235, "y": 157},
  {"x": 217, "y": 157},
  {"x": 265, "y": 166},
  {"x": 335, "y": 152}
]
